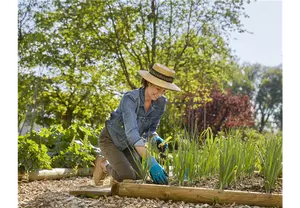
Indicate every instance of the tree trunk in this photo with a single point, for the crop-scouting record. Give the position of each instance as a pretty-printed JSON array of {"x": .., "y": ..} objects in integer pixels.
[{"x": 67, "y": 118}]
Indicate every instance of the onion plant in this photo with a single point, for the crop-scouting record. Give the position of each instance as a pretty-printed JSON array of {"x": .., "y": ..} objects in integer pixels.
[
  {"x": 230, "y": 160},
  {"x": 249, "y": 157},
  {"x": 193, "y": 160},
  {"x": 142, "y": 165},
  {"x": 185, "y": 159},
  {"x": 270, "y": 152},
  {"x": 209, "y": 156}
]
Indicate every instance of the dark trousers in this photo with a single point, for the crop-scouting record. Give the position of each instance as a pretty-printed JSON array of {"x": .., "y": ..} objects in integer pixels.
[{"x": 122, "y": 164}]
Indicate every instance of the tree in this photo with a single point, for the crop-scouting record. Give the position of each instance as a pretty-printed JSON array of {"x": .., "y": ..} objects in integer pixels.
[
  {"x": 224, "y": 111},
  {"x": 269, "y": 98},
  {"x": 93, "y": 49},
  {"x": 263, "y": 85}
]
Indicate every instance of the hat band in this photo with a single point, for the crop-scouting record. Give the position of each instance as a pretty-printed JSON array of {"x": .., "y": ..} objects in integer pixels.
[{"x": 161, "y": 76}]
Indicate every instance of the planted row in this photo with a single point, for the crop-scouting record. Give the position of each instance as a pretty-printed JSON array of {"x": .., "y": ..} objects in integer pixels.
[{"x": 230, "y": 156}]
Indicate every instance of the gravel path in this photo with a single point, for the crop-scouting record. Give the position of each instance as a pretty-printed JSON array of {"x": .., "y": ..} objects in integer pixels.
[{"x": 55, "y": 193}]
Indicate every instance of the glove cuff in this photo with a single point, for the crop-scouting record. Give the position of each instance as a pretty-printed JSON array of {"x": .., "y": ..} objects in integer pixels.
[
  {"x": 154, "y": 138},
  {"x": 151, "y": 161}
]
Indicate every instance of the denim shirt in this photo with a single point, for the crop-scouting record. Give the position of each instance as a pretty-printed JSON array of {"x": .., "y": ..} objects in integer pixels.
[{"x": 130, "y": 122}]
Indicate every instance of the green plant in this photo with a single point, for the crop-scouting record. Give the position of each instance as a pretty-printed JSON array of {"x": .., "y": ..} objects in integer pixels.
[
  {"x": 142, "y": 165},
  {"x": 230, "y": 164},
  {"x": 32, "y": 156},
  {"x": 270, "y": 152},
  {"x": 209, "y": 155},
  {"x": 249, "y": 157},
  {"x": 186, "y": 158},
  {"x": 57, "y": 138},
  {"x": 89, "y": 132},
  {"x": 75, "y": 156}
]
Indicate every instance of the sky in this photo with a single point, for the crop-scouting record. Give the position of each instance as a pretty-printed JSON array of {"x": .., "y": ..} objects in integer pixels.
[
  {"x": 267, "y": 44},
  {"x": 264, "y": 46}
]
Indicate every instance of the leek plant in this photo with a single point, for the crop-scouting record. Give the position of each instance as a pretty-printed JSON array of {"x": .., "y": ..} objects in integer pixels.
[
  {"x": 209, "y": 156},
  {"x": 249, "y": 157},
  {"x": 193, "y": 160},
  {"x": 230, "y": 161},
  {"x": 270, "y": 152},
  {"x": 142, "y": 165},
  {"x": 185, "y": 159}
]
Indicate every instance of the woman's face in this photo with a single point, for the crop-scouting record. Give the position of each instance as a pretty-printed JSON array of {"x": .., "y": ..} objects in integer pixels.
[{"x": 154, "y": 91}]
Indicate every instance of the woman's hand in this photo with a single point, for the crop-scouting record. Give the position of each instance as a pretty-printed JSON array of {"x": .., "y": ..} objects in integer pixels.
[
  {"x": 158, "y": 174},
  {"x": 161, "y": 145}
]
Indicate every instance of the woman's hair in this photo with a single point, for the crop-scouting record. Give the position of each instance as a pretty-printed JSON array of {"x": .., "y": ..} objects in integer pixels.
[{"x": 145, "y": 83}]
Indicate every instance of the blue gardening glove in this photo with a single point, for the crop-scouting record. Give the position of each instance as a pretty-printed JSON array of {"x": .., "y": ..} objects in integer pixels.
[
  {"x": 158, "y": 174},
  {"x": 159, "y": 143}
]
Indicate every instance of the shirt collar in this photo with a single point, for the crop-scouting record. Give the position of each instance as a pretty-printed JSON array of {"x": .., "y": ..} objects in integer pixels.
[{"x": 142, "y": 96}]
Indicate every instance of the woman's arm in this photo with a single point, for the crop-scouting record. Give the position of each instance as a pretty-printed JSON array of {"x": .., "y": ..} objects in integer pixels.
[
  {"x": 128, "y": 107},
  {"x": 142, "y": 150}
]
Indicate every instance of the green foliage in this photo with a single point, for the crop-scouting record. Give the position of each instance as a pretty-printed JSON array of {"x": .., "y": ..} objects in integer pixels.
[
  {"x": 230, "y": 161},
  {"x": 209, "y": 161},
  {"x": 249, "y": 134},
  {"x": 269, "y": 97},
  {"x": 170, "y": 123},
  {"x": 57, "y": 138},
  {"x": 229, "y": 155},
  {"x": 25, "y": 96},
  {"x": 264, "y": 87},
  {"x": 249, "y": 157},
  {"x": 91, "y": 50},
  {"x": 59, "y": 143},
  {"x": 243, "y": 80},
  {"x": 245, "y": 139},
  {"x": 75, "y": 156},
  {"x": 142, "y": 165},
  {"x": 270, "y": 151},
  {"x": 32, "y": 156},
  {"x": 224, "y": 111},
  {"x": 185, "y": 159}
]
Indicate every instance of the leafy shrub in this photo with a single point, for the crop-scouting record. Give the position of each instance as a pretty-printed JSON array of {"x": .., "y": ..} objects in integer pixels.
[
  {"x": 57, "y": 139},
  {"x": 58, "y": 143},
  {"x": 225, "y": 111},
  {"x": 75, "y": 156},
  {"x": 90, "y": 133},
  {"x": 32, "y": 156}
]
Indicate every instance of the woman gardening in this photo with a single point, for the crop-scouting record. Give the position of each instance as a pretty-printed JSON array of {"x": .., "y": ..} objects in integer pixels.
[{"x": 122, "y": 140}]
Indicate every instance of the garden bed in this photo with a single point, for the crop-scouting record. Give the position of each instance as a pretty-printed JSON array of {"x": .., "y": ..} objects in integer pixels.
[{"x": 253, "y": 183}]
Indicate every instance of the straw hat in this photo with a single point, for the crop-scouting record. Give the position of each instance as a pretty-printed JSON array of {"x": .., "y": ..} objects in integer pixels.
[{"x": 161, "y": 76}]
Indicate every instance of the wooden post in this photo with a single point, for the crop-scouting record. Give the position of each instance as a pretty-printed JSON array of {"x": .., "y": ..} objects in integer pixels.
[
  {"x": 56, "y": 173},
  {"x": 197, "y": 195}
]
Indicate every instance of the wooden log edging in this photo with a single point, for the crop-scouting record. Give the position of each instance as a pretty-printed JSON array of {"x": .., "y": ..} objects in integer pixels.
[
  {"x": 196, "y": 195},
  {"x": 56, "y": 173}
]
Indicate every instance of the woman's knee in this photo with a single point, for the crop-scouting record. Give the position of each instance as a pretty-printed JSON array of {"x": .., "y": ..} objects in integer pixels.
[{"x": 128, "y": 174}]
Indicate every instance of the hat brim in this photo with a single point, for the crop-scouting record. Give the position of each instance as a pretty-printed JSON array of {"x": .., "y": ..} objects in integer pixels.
[{"x": 154, "y": 80}]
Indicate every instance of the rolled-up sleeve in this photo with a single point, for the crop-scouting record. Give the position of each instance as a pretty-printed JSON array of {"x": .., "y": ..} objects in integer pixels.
[{"x": 128, "y": 108}]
